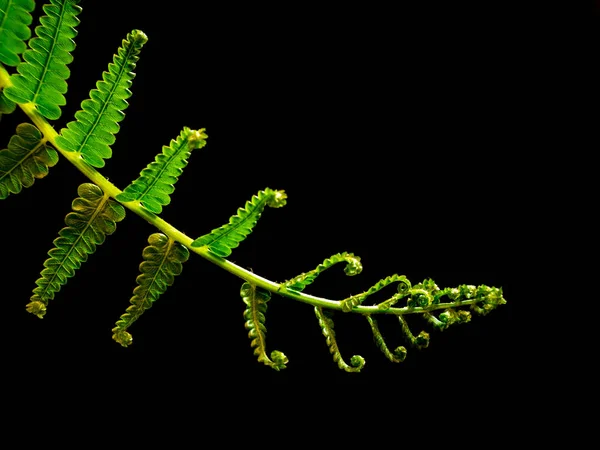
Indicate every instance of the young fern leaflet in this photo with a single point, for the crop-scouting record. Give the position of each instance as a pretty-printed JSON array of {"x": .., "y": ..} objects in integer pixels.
[
  {"x": 42, "y": 77},
  {"x": 92, "y": 134},
  {"x": 163, "y": 259},
  {"x": 27, "y": 157},
  {"x": 37, "y": 87}
]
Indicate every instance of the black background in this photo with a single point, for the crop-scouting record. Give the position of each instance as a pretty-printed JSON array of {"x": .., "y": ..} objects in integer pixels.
[{"x": 398, "y": 134}]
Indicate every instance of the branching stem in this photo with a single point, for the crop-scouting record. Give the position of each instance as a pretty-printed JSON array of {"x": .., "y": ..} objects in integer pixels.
[{"x": 111, "y": 190}]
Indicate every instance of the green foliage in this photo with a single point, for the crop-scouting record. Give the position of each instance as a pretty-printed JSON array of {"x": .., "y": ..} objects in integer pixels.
[
  {"x": 27, "y": 157},
  {"x": 94, "y": 217},
  {"x": 222, "y": 240},
  {"x": 163, "y": 259},
  {"x": 94, "y": 131},
  {"x": 357, "y": 362},
  {"x": 42, "y": 76},
  {"x": 14, "y": 29},
  {"x": 156, "y": 182},
  {"x": 256, "y": 307},
  {"x": 38, "y": 88}
]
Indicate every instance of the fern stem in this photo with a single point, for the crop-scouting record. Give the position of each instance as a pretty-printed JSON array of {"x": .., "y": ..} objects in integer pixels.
[{"x": 169, "y": 230}]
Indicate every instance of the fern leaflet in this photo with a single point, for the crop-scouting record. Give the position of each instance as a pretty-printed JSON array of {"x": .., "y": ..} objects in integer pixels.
[
  {"x": 7, "y": 106},
  {"x": 256, "y": 306},
  {"x": 357, "y": 362},
  {"x": 222, "y": 240},
  {"x": 399, "y": 354},
  {"x": 42, "y": 76},
  {"x": 94, "y": 217},
  {"x": 353, "y": 267},
  {"x": 156, "y": 182},
  {"x": 93, "y": 131},
  {"x": 163, "y": 259},
  {"x": 14, "y": 29},
  {"x": 27, "y": 157}
]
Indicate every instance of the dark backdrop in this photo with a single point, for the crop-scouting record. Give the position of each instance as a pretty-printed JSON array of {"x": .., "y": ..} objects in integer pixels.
[{"x": 397, "y": 133}]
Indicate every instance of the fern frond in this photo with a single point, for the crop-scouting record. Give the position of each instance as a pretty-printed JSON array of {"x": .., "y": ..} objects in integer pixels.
[
  {"x": 353, "y": 267},
  {"x": 221, "y": 241},
  {"x": 256, "y": 307},
  {"x": 163, "y": 259},
  {"x": 27, "y": 157},
  {"x": 156, "y": 182},
  {"x": 14, "y": 29},
  {"x": 420, "y": 341},
  {"x": 399, "y": 354},
  {"x": 41, "y": 78},
  {"x": 403, "y": 288},
  {"x": 357, "y": 362},
  {"x": 94, "y": 217},
  {"x": 97, "y": 123}
]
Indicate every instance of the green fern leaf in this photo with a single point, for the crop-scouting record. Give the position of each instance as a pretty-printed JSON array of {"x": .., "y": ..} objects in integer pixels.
[
  {"x": 27, "y": 157},
  {"x": 156, "y": 182},
  {"x": 42, "y": 76},
  {"x": 256, "y": 307},
  {"x": 6, "y": 106},
  {"x": 222, "y": 240},
  {"x": 357, "y": 362},
  {"x": 163, "y": 259},
  {"x": 403, "y": 288},
  {"x": 353, "y": 267},
  {"x": 14, "y": 29},
  {"x": 93, "y": 131},
  {"x": 94, "y": 217}
]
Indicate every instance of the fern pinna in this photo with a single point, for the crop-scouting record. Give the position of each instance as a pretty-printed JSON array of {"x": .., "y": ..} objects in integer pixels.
[{"x": 33, "y": 77}]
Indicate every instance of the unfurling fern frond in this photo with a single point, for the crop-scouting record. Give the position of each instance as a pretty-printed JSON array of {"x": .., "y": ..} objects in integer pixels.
[
  {"x": 27, "y": 157},
  {"x": 399, "y": 354},
  {"x": 94, "y": 217},
  {"x": 221, "y": 241},
  {"x": 163, "y": 259},
  {"x": 403, "y": 288},
  {"x": 156, "y": 182},
  {"x": 357, "y": 362},
  {"x": 256, "y": 306},
  {"x": 42, "y": 76},
  {"x": 93, "y": 131},
  {"x": 14, "y": 29},
  {"x": 353, "y": 267}
]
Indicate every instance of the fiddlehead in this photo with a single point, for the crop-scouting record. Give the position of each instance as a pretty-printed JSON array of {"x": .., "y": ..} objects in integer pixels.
[
  {"x": 403, "y": 288},
  {"x": 156, "y": 182},
  {"x": 27, "y": 157},
  {"x": 94, "y": 217},
  {"x": 399, "y": 354},
  {"x": 256, "y": 307},
  {"x": 353, "y": 267},
  {"x": 41, "y": 78},
  {"x": 93, "y": 131},
  {"x": 357, "y": 362},
  {"x": 163, "y": 260},
  {"x": 222, "y": 240},
  {"x": 15, "y": 19}
]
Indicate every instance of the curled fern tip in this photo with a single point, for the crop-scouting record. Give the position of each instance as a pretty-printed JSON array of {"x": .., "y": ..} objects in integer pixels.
[{"x": 37, "y": 308}]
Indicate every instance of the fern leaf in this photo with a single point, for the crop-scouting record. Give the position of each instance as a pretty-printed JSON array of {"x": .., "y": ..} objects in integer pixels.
[
  {"x": 357, "y": 362},
  {"x": 42, "y": 76},
  {"x": 6, "y": 106},
  {"x": 156, "y": 182},
  {"x": 254, "y": 314},
  {"x": 420, "y": 341},
  {"x": 163, "y": 259},
  {"x": 94, "y": 217},
  {"x": 353, "y": 267},
  {"x": 399, "y": 354},
  {"x": 221, "y": 241},
  {"x": 14, "y": 29},
  {"x": 97, "y": 123},
  {"x": 403, "y": 288},
  {"x": 27, "y": 157}
]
